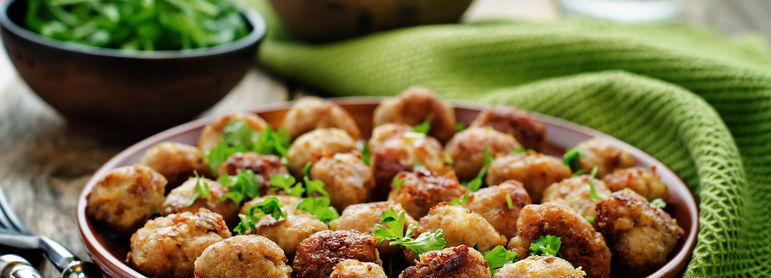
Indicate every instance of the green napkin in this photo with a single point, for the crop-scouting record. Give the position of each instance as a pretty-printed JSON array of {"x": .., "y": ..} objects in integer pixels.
[{"x": 696, "y": 101}]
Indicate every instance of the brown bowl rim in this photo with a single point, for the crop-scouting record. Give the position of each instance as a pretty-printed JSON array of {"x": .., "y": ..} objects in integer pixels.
[{"x": 115, "y": 267}]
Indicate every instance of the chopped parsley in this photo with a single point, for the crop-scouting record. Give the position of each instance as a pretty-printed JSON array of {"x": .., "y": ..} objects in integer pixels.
[
  {"x": 448, "y": 159},
  {"x": 307, "y": 169},
  {"x": 411, "y": 135},
  {"x": 201, "y": 190},
  {"x": 417, "y": 165},
  {"x": 592, "y": 189},
  {"x": 571, "y": 158},
  {"x": 397, "y": 182},
  {"x": 659, "y": 203},
  {"x": 243, "y": 185},
  {"x": 425, "y": 126},
  {"x": 544, "y": 245},
  {"x": 590, "y": 219},
  {"x": 497, "y": 257},
  {"x": 271, "y": 206},
  {"x": 317, "y": 206},
  {"x": 286, "y": 183},
  {"x": 459, "y": 127},
  {"x": 391, "y": 228},
  {"x": 365, "y": 153},
  {"x": 476, "y": 183},
  {"x": 237, "y": 137},
  {"x": 522, "y": 149},
  {"x": 509, "y": 203},
  {"x": 459, "y": 201}
]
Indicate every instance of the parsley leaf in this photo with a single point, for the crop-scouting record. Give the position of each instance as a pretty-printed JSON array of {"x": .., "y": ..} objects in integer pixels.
[
  {"x": 476, "y": 183},
  {"x": 397, "y": 182},
  {"x": 571, "y": 158},
  {"x": 271, "y": 206},
  {"x": 237, "y": 137},
  {"x": 547, "y": 244},
  {"x": 590, "y": 219},
  {"x": 319, "y": 207},
  {"x": 365, "y": 153},
  {"x": 315, "y": 186},
  {"x": 286, "y": 183},
  {"x": 391, "y": 228},
  {"x": 426, "y": 242},
  {"x": 459, "y": 201},
  {"x": 497, "y": 257},
  {"x": 425, "y": 126},
  {"x": 522, "y": 149},
  {"x": 238, "y": 133},
  {"x": 243, "y": 185},
  {"x": 659, "y": 203},
  {"x": 448, "y": 159},
  {"x": 417, "y": 165},
  {"x": 201, "y": 190},
  {"x": 307, "y": 169},
  {"x": 411, "y": 135},
  {"x": 509, "y": 203},
  {"x": 459, "y": 127},
  {"x": 593, "y": 190}
]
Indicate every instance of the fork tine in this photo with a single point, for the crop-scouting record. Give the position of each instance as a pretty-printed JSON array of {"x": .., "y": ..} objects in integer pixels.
[{"x": 9, "y": 218}]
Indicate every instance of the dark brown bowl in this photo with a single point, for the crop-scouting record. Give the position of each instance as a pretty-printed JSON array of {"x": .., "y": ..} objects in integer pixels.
[
  {"x": 108, "y": 90},
  {"x": 109, "y": 251}
]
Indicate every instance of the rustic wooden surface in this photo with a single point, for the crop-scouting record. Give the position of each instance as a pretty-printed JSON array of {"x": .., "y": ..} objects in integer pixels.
[{"x": 43, "y": 165}]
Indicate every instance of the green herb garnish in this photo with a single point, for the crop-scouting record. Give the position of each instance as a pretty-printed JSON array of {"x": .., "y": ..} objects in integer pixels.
[
  {"x": 476, "y": 183},
  {"x": 590, "y": 219},
  {"x": 271, "y": 206},
  {"x": 571, "y": 158},
  {"x": 397, "y": 182},
  {"x": 522, "y": 149},
  {"x": 201, "y": 190},
  {"x": 459, "y": 127},
  {"x": 288, "y": 184},
  {"x": 417, "y": 165},
  {"x": 307, "y": 169},
  {"x": 547, "y": 244},
  {"x": 592, "y": 189},
  {"x": 459, "y": 201},
  {"x": 509, "y": 203},
  {"x": 659, "y": 203},
  {"x": 423, "y": 127},
  {"x": 411, "y": 135},
  {"x": 243, "y": 185},
  {"x": 365, "y": 153},
  {"x": 448, "y": 159},
  {"x": 497, "y": 257},
  {"x": 391, "y": 228},
  {"x": 320, "y": 208},
  {"x": 238, "y": 137}
]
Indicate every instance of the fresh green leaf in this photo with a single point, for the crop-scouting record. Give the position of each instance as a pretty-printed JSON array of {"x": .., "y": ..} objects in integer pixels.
[
  {"x": 271, "y": 206},
  {"x": 315, "y": 186},
  {"x": 509, "y": 203},
  {"x": 578, "y": 173},
  {"x": 201, "y": 190},
  {"x": 307, "y": 169},
  {"x": 425, "y": 242},
  {"x": 592, "y": 189},
  {"x": 476, "y": 183},
  {"x": 659, "y": 203},
  {"x": 238, "y": 133},
  {"x": 417, "y": 165},
  {"x": 590, "y": 219},
  {"x": 572, "y": 157},
  {"x": 397, "y": 182},
  {"x": 459, "y": 127},
  {"x": 448, "y": 159},
  {"x": 365, "y": 153},
  {"x": 288, "y": 184},
  {"x": 243, "y": 185},
  {"x": 411, "y": 135},
  {"x": 522, "y": 149},
  {"x": 391, "y": 227},
  {"x": 547, "y": 244},
  {"x": 425, "y": 126},
  {"x": 460, "y": 202},
  {"x": 497, "y": 257},
  {"x": 320, "y": 208}
]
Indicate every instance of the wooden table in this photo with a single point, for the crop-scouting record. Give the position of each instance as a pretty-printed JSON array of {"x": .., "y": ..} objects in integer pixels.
[{"x": 43, "y": 165}]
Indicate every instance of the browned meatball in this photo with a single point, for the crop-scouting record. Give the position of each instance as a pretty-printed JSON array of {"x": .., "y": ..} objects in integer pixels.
[
  {"x": 535, "y": 171},
  {"x": 526, "y": 129},
  {"x": 540, "y": 267},
  {"x": 315, "y": 144},
  {"x": 179, "y": 198},
  {"x": 175, "y": 161},
  {"x": 491, "y": 203},
  {"x": 242, "y": 256},
  {"x": 211, "y": 134},
  {"x": 461, "y": 226},
  {"x": 384, "y": 132},
  {"x": 126, "y": 197},
  {"x": 400, "y": 153},
  {"x": 357, "y": 269},
  {"x": 641, "y": 236},
  {"x": 286, "y": 232},
  {"x": 263, "y": 166},
  {"x": 575, "y": 193},
  {"x": 581, "y": 244},
  {"x": 604, "y": 155},
  {"x": 413, "y": 106},
  {"x": 347, "y": 179},
  {"x": 422, "y": 190},
  {"x": 363, "y": 217},
  {"x": 467, "y": 149},
  {"x": 318, "y": 254},
  {"x": 311, "y": 113},
  {"x": 168, "y": 246},
  {"x": 639, "y": 180},
  {"x": 453, "y": 262}
]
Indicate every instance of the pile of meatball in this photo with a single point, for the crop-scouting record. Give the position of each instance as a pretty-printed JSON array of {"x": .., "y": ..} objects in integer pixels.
[{"x": 527, "y": 195}]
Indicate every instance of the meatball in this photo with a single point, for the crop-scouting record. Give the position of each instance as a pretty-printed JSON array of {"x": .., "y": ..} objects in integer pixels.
[
  {"x": 461, "y": 226},
  {"x": 415, "y": 105},
  {"x": 168, "y": 246},
  {"x": 126, "y": 197},
  {"x": 179, "y": 199},
  {"x": 639, "y": 180},
  {"x": 527, "y": 130},
  {"x": 242, "y": 256},
  {"x": 363, "y": 217},
  {"x": 581, "y": 244},
  {"x": 453, "y": 262},
  {"x": 315, "y": 144},
  {"x": 641, "y": 236},
  {"x": 347, "y": 179},
  {"x": 311, "y": 113},
  {"x": 601, "y": 153},
  {"x": 421, "y": 190},
  {"x": 540, "y": 267},
  {"x": 263, "y": 166},
  {"x": 575, "y": 193},
  {"x": 357, "y": 269},
  {"x": 175, "y": 161},
  {"x": 536, "y": 171},
  {"x": 491, "y": 203},
  {"x": 287, "y": 232},
  {"x": 320, "y": 253},
  {"x": 401, "y": 153},
  {"x": 211, "y": 134},
  {"x": 382, "y": 133},
  {"x": 467, "y": 149}
]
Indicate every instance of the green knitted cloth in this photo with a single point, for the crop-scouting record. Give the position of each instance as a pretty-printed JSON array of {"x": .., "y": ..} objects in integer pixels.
[{"x": 696, "y": 101}]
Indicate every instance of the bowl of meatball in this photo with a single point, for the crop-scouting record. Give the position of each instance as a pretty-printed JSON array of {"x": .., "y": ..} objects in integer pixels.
[{"x": 409, "y": 186}]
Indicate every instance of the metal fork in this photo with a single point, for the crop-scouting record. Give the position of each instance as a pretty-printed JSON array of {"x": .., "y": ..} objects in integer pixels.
[{"x": 13, "y": 233}]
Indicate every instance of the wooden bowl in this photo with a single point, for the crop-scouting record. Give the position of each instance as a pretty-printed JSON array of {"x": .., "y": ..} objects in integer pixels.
[
  {"x": 109, "y": 91},
  {"x": 109, "y": 251}
]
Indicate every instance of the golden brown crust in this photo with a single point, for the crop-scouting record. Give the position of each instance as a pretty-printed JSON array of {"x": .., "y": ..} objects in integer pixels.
[
  {"x": 246, "y": 256},
  {"x": 318, "y": 254},
  {"x": 263, "y": 166},
  {"x": 461, "y": 226},
  {"x": 601, "y": 153},
  {"x": 363, "y": 217},
  {"x": 211, "y": 134},
  {"x": 455, "y": 262},
  {"x": 316, "y": 144},
  {"x": 179, "y": 198},
  {"x": 168, "y": 246},
  {"x": 490, "y": 203},
  {"x": 357, "y": 269},
  {"x": 540, "y": 267},
  {"x": 575, "y": 193},
  {"x": 310, "y": 113},
  {"x": 126, "y": 197},
  {"x": 175, "y": 161},
  {"x": 535, "y": 171},
  {"x": 383, "y": 132},
  {"x": 581, "y": 244},
  {"x": 413, "y": 106},
  {"x": 641, "y": 236},
  {"x": 639, "y": 180},
  {"x": 467, "y": 149},
  {"x": 520, "y": 124},
  {"x": 422, "y": 190},
  {"x": 347, "y": 179}
]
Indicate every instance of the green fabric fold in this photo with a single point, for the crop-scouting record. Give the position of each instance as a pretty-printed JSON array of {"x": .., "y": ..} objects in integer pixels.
[{"x": 696, "y": 101}]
